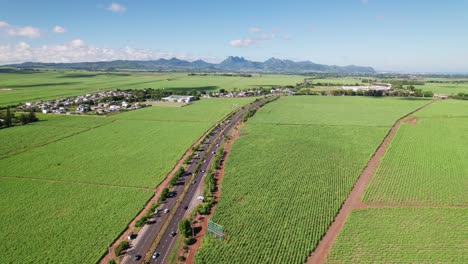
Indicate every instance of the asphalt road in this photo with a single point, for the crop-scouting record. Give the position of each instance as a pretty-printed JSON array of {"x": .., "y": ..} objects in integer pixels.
[{"x": 141, "y": 245}]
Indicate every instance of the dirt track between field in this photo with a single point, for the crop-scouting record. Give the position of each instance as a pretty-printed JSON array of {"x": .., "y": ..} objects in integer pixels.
[
  {"x": 353, "y": 201},
  {"x": 412, "y": 121}
]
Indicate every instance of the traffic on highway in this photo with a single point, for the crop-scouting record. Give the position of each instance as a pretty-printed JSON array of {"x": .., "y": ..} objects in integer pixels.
[{"x": 182, "y": 203}]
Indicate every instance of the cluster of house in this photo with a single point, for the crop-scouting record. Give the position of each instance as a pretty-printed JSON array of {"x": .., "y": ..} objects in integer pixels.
[
  {"x": 373, "y": 87},
  {"x": 85, "y": 103}
]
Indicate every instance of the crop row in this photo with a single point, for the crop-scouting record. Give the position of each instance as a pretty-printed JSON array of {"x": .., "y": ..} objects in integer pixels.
[
  {"x": 282, "y": 189},
  {"x": 424, "y": 165},
  {"x": 403, "y": 235}
]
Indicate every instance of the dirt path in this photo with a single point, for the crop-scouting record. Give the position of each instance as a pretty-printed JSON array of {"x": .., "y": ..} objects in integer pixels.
[
  {"x": 202, "y": 221},
  {"x": 353, "y": 201},
  {"x": 412, "y": 121}
]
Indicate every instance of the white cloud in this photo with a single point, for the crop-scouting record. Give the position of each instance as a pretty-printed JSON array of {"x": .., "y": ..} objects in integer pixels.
[
  {"x": 28, "y": 32},
  {"x": 241, "y": 43},
  {"x": 117, "y": 8},
  {"x": 15, "y": 31},
  {"x": 78, "y": 51},
  {"x": 255, "y": 30},
  {"x": 59, "y": 29}
]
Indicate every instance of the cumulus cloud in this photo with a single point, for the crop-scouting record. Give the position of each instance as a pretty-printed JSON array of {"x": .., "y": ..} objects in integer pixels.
[
  {"x": 78, "y": 50},
  {"x": 14, "y": 31},
  {"x": 116, "y": 8},
  {"x": 59, "y": 30},
  {"x": 241, "y": 43},
  {"x": 28, "y": 32}
]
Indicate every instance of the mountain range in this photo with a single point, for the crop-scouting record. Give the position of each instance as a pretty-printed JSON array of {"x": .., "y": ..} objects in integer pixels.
[{"x": 230, "y": 64}]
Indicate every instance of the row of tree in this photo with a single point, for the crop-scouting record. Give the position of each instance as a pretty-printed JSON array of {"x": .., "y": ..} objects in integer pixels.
[
  {"x": 9, "y": 119},
  {"x": 377, "y": 93}
]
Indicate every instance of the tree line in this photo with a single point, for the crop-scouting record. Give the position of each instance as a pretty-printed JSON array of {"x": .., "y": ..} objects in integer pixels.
[{"x": 9, "y": 118}]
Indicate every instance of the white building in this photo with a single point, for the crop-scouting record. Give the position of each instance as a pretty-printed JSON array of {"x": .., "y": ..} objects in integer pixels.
[
  {"x": 179, "y": 99},
  {"x": 374, "y": 87}
]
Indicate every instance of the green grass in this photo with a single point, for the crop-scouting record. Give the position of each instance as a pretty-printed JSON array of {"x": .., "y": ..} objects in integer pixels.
[
  {"x": 339, "y": 110},
  {"x": 50, "y": 85},
  {"x": 425, "y": 163},
  {"x": 403, "y": 235},
  {"x": 284, "y": 182},
  {"x": 45, "y": 222}
]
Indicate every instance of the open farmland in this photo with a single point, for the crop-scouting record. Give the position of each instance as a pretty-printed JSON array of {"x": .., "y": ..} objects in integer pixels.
[
  {"x": 55, "y": 84},
  {"x": 446, "y": 87},
  {"x": 403, "y": 235},
  {"x": 286, "y": 178},
  {"x": 51, "y": 128},
  {"x": 416, "y": 203},
  {"x": 52, "y": 222},
  {"x": 426, "y": 162},
  {"x": 82, "y": 178}
]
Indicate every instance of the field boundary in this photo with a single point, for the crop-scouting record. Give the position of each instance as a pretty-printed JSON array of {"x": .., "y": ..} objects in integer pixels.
[{"x": 324, "y": 246}]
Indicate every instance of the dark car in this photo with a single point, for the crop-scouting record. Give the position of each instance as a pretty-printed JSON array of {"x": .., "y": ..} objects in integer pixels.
[
  {"x": 155, "y": 254},
  {"x": 186, "y": 207},
  {"x": 173, "y": 233},
  {"x": 137, "y": 257}
]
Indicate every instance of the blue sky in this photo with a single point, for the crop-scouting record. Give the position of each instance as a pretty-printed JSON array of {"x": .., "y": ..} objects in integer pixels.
[{"x": 423, "y": 36}]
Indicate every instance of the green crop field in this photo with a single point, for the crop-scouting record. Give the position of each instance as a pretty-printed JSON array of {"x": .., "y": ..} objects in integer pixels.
[
  {"x": 403, "y": 235},
  {"x": 51, "y": 222},
  {"x": 417, "y": 197},
  {"x": 72, "y": 183},
  {"x": 339, "y": 111},
  {"x": 425, "y": 163},
  {"x": 286, "y": 178},
  {"x": 446, "y": 108},
  {"x": 210, "y": 110},
  {"x": 16, "y": 88},
  {"x": 446, "y": 87}
]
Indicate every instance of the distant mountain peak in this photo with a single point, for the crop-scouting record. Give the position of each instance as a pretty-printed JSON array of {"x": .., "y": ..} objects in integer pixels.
[{"x": 231, "y": 63}]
